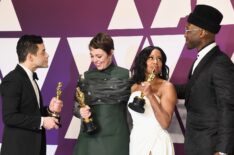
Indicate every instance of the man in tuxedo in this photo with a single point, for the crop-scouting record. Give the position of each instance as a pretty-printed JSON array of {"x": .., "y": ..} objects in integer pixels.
[
  {"x": 24, "y": 116},
  {"x": 209, "y": 91}
]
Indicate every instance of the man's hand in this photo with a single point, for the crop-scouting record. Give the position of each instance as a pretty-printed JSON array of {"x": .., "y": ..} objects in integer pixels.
[
  {"x": 50, "y": 123},
  {"x": 55, "y": 105}
]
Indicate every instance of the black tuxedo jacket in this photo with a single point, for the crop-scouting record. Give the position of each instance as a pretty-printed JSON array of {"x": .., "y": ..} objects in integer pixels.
[
  {"x": 21, "y": 116},
  {"x": 209, "y": 100}
]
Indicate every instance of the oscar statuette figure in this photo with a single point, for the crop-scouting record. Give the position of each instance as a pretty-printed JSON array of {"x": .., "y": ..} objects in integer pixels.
[
  {"x": 139, "y": 102},
  {"x": 88, "y": 125},
  {"x": 58, "y": 96}
]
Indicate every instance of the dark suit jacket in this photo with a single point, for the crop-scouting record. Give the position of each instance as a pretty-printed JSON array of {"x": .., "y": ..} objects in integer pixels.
[
  {"x": 21, "y": 116},
  {"x": 209, "y": 100}
]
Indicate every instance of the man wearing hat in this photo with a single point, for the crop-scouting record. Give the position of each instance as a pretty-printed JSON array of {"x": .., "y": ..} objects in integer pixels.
[{"x": 209, "y": 91}]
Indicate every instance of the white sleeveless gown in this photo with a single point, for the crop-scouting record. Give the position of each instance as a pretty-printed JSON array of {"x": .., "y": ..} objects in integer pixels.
[{"x": 147, "y": 135}]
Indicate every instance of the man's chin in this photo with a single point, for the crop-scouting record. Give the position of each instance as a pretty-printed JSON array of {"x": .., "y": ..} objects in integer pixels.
[
  {"x": 189, "y": 47},
  {"x": 44, "y": 66},
  {"x": 99, "y": 68}
]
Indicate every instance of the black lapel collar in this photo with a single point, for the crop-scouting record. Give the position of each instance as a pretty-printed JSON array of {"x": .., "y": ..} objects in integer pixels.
[
  {"x": 206, "y": 60},
  {"x": 202, "y": 64},
  {"x": 21, "y": 71}
]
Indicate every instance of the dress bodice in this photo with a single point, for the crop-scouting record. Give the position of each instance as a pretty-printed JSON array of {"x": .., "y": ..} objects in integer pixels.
[
  {"x": 147, "y": 116},
  {"x": 147, "y": 135}
]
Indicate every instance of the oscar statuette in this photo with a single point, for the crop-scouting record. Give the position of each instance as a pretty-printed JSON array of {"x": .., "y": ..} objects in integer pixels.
[
  {"x": 139, "y": 102},
  {"x": 88, "y": 124},
  {"x": 58, "y": 96}
]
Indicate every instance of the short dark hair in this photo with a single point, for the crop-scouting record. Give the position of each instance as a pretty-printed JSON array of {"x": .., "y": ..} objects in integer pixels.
[
  {"x": 140, "y": 65},
  {"x": 27, "y": 44},
  {"x": 102, "y": 41}
]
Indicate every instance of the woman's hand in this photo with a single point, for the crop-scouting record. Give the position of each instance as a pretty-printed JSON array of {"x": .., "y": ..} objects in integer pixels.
[
  {"x": 85, "y": 112},
  {"x": 146, "y": 89}
]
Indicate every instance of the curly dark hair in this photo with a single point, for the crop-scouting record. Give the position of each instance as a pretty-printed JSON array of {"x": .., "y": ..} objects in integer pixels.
[{"x": 140, "y": 65}]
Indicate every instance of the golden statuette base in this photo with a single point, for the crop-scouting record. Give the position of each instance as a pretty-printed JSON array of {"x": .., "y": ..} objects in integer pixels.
[{"x": 139, "y": 102}]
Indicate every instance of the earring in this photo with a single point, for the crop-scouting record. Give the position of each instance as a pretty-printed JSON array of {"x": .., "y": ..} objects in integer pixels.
[{"x": 160, "y": 74}]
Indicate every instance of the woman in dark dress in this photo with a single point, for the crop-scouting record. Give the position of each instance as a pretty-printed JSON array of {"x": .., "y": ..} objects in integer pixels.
[{"x": 106, "y": 89}]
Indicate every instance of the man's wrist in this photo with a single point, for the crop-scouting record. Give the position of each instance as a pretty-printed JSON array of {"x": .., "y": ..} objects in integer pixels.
[{"x": 49, "y": 111}]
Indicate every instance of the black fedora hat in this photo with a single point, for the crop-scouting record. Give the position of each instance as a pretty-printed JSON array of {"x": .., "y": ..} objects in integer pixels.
[{"x": 206, "y": 17}]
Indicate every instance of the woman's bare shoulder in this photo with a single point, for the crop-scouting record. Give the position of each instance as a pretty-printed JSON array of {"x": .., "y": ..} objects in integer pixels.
[
  {"x": 167, "y": 84},
  {"x": 168, "y": 88}
]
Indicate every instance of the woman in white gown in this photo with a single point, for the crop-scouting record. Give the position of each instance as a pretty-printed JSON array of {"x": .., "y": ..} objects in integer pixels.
[{"x": 149, "y": 135}]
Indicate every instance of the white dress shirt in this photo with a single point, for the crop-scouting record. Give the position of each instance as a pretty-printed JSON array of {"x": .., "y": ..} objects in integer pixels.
[{"x": 202, "y": 54}]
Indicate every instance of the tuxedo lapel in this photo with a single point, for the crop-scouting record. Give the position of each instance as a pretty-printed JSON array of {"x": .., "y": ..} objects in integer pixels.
[
  {"x": 28, "y": 83},
  {"x": 202, "y": 64},
  {"x": 197, "y": 71},
  {"x": 191, "y": 70}
]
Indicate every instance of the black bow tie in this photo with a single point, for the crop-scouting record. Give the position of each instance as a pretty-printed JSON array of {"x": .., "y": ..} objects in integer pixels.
[{"x": 35, "y": 76}]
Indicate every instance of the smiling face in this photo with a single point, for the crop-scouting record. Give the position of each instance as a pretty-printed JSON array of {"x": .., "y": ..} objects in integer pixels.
[
  {"x": 154, "y": 62},
  {"x": 100, "y": 58}
]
